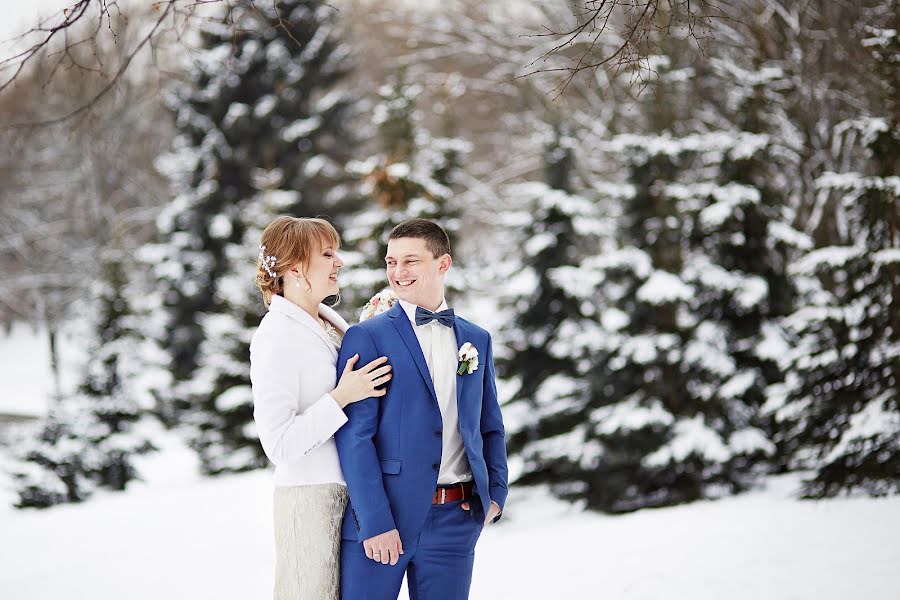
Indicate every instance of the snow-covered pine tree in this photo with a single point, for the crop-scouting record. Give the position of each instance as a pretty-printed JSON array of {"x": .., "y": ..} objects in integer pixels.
[
  {"x": 89, "y": 439},
  {"x": 551, "y": 336},
  {"x": 50, "y": 468},
  {"x": 838, "y": 412},
  {"x": 668, "y": 409},
  {"x": 262, "y": 131},
  {"x": 686, "y": 334},
  {"x": 741, "y": 236},
  {"x": 412, "y": 176}
]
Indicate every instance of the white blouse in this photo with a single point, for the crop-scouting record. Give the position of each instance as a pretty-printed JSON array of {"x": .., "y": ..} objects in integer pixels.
[{"x": 292, "y": 370}]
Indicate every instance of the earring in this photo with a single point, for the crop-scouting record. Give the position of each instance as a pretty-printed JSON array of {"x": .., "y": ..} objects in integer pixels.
[{"x": 297, "y": 282}]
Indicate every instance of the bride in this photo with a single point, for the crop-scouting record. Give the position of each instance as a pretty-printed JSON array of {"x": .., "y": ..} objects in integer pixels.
[{"x": 297, "y": 408}]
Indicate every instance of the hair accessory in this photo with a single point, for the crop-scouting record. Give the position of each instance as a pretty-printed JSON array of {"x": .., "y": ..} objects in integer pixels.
[{"x": 267, "y": 261}]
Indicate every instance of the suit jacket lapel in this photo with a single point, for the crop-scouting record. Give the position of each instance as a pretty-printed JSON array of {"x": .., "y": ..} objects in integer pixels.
[
  {"x": 404, "y": 328},
  {"x": 460, "y": 379}
]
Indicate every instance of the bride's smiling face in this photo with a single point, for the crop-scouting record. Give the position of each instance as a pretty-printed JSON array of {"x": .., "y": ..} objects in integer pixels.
[
  {"x": 415, "y": 274},
  {"x": 322, "y": 272}
]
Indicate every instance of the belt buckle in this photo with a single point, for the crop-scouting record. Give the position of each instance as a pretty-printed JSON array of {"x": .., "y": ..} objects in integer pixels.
[{"x": 443, "y": 496}]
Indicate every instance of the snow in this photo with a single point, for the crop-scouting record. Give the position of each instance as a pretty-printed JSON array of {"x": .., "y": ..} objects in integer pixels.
[
  {"x": 738, "y": 384},
  {"x": 630, "y": 415},
  {"x": 856, "y": 182},
  {"x": 869, "y": 127},
  {"x": 265, "y": 105},
  {"x": 301, "y": 128},
  {"x": 790, "y": 236},
  {"x": 614, "y": 319},
  {"x": 539, "y": 242},
  {"x": 832, "y": 256},
  {"x": 220, "y": 227},
  {"x": 630, "y": 258},
  {"x": 555, "y": 387},
  {"x": 887, "y": 256},
  {"x": 880, "y": 37},
  {"x": 575, "y": 339},
  {"x": 663, "y": 287},
  {"x": 691, "y": 436},
  {"x": 23, "y": 363},
  {"x": 563, "y": 445},
  {"x": 523, "y": 283},
  {"x": 179, "y": 536},
  {"x": 644, "y": 349},
  {"x": 233, "y": 398},
  {"x": 235, "y": 112},
  {"x": 748, "y": 290},
  {"x": 872, "y": 422},
  {"x": 750, "y": 440},
  {"x": 614, "y": 191},
  {"x": 739, "y": 145},
  {"x": 25, "y": 367},
  {"x": 579, "y": 282}
]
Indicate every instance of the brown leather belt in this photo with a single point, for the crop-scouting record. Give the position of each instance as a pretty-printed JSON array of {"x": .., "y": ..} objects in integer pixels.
[{"x": 458, "y": 491}]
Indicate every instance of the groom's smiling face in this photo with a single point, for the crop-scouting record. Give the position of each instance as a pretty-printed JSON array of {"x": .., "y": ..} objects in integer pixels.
[{"x": 415, "y": 274}]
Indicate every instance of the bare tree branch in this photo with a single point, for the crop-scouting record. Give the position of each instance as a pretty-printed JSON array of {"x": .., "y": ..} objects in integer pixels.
[
  {"x": 109, "y": 86},
  {"x": 55, "y": 39},
  {"x": 633, "y": 29},
  {"x": 612, "y": 34}
]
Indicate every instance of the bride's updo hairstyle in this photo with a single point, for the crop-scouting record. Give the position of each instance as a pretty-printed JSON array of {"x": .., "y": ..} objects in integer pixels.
[{"x": 286, "y": 242}]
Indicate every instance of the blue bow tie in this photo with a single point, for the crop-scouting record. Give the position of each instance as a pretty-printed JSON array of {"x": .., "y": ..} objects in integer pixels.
[{"x": 444, "y": 317}]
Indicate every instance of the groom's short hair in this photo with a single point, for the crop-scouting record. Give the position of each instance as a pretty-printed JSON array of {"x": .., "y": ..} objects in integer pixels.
[{"x": 436, "y": 239}]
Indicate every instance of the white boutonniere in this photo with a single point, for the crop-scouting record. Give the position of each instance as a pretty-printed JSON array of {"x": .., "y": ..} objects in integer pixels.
[
  {"x": 379, "y": 303},
  {"x": 468, "y": 359}
]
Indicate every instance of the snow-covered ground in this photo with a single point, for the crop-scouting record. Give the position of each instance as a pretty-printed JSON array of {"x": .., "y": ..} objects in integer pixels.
[
  {"x": 179, "y": 536},
  {"x": 25, "y": 371}
]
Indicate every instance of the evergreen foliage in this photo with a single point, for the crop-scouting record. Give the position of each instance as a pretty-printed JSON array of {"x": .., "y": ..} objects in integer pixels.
[
  {"x": 90, "y": 438},
  {"x": 838, "y": 411},
  {"x": 414, "y": 175},
  {"x": 657, "y": 400},
  {"x": 262, "y": 132}
]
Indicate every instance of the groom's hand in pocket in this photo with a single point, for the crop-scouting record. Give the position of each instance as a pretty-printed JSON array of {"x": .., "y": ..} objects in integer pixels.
[
  {"x": 492, "y": 512},
  {"x": 385, "y": 548}
]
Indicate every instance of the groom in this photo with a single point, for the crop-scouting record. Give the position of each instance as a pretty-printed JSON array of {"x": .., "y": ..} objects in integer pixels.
[{"x": 425, "y": 464}]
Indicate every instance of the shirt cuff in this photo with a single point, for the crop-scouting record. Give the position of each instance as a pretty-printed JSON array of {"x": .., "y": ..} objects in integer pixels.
[{"x": 499, "y": 514}]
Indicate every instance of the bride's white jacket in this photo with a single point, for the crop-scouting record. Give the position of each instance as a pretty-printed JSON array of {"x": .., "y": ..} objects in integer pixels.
[{"x": 293, "y": 369}]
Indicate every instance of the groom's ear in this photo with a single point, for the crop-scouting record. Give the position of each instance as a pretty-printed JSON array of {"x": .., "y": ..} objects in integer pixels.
[{"x": 444, "y": 263}]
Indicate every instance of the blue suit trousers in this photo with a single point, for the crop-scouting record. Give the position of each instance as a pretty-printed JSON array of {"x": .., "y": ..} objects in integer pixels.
[{"x": 438, "y": 564}]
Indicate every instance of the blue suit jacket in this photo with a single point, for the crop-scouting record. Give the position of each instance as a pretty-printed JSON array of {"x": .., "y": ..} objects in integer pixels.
[{"x": 390, "y": 449}]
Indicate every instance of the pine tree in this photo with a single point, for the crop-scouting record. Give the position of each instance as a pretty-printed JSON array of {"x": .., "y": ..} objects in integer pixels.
[
  {"x": 553, "y": 332},
  {"x": 412, "y": 176},
  {"x": 51, "y": 468},
  {"x": 743, "y": 238},
  {"x": 838, "y": 412},
  {"x": 90, "y": 438},
  {"x": 665, "y": 404},
  {"x": 262, "y": 133}
]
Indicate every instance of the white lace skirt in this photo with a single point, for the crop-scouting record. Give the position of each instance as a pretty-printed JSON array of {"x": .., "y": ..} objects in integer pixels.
[{"x": 308, "y": 541}]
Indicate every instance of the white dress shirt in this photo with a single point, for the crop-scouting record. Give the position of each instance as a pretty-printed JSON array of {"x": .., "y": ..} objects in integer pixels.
[
  {"x": 292, "y": 370},
  {"x": 438, "y": 343}
]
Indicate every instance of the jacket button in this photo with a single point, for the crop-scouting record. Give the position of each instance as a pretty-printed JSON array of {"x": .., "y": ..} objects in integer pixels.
[
  {"x": 436, "y": 466},
  {"x": 438, "y": 433}
]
